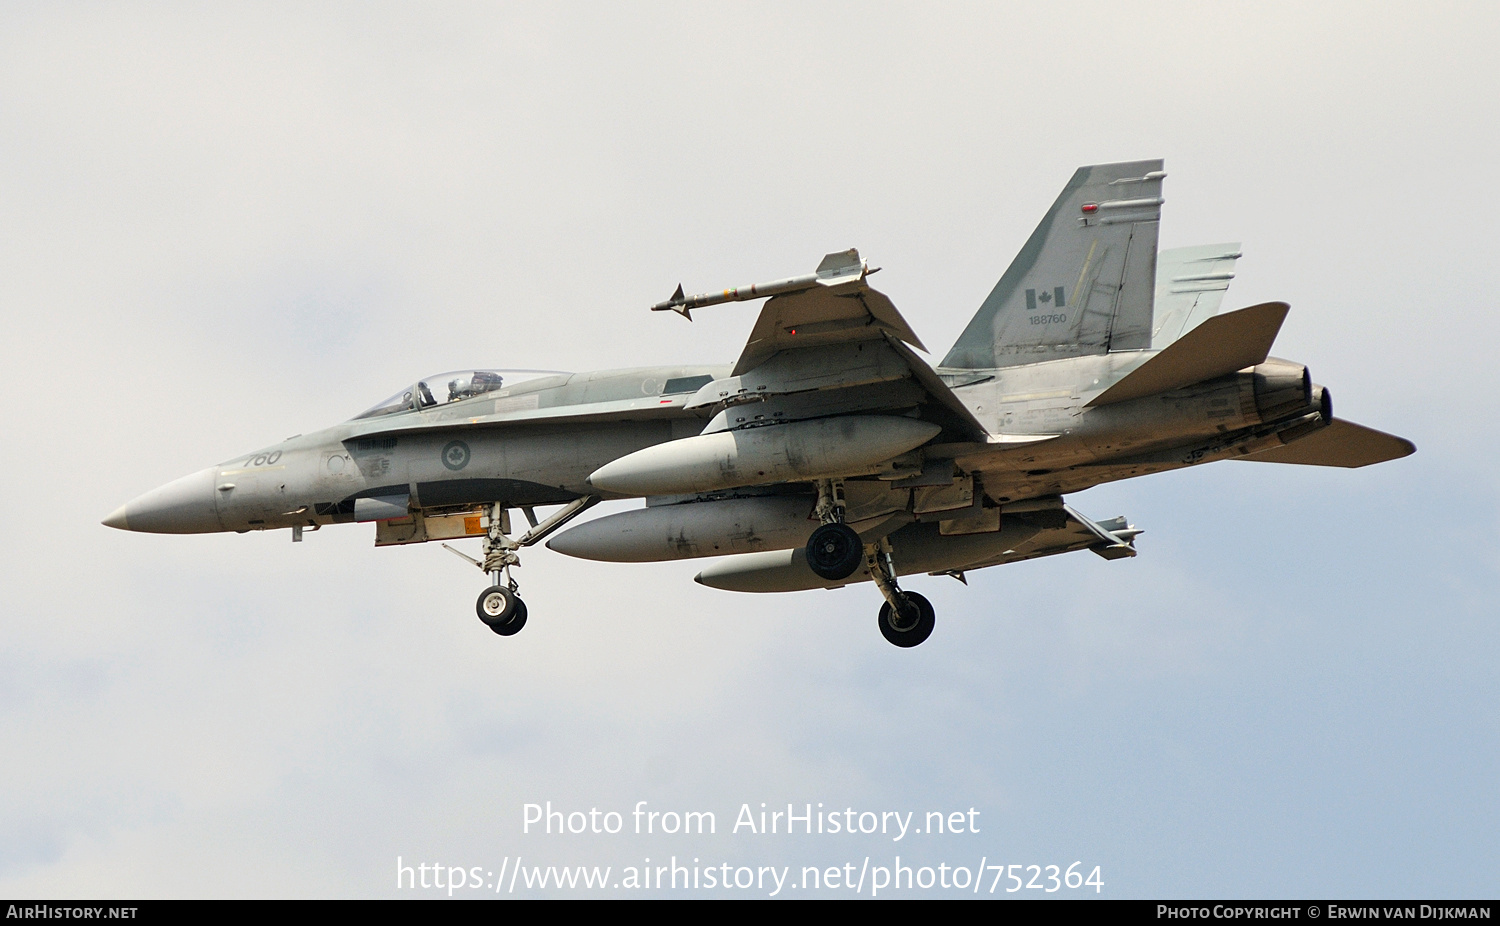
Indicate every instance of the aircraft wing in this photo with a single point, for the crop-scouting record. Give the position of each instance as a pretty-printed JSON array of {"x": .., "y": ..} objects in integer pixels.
[
  {"x": 834, "y": 345},
  {"x": 845, "y": 312}
]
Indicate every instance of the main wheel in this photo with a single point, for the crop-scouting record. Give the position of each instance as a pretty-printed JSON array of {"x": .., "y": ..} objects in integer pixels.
[
  {"x": 912, "y": 624},
  {"x": 500, "y": 609},
  {"x": 834, "y": 551}
]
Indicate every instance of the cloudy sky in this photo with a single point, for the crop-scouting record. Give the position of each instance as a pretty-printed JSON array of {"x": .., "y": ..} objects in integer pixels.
[{"x": 224, "y": 225}]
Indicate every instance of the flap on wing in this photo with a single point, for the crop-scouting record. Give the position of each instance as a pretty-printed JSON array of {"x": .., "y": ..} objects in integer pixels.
[
  {"x": 1218, "y": 347},
  {"x": 1342, "y": 443},
  {"x": 820, "y": 315}
]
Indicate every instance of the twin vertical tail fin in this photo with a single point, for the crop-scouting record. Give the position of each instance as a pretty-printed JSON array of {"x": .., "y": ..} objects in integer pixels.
[
  {"x": 1083, "y": 283},
  {"x": 1190, "y": 285}
]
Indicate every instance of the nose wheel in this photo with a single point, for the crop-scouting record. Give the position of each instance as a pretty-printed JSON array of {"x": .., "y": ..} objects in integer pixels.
[{"x": 502, "y": 610}]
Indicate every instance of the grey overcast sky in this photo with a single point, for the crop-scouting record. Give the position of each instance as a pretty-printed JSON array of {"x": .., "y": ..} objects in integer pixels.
[{"x": 225, "y": 224}]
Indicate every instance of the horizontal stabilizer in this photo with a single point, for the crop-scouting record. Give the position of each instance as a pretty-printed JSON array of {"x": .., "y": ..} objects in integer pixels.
[
  {"x": 1218, "y": 347},
  {"x": 1342, "y": 443}
]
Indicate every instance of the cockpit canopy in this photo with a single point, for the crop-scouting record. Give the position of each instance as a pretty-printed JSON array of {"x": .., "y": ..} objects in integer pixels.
[{"x": 443, "y": 388}]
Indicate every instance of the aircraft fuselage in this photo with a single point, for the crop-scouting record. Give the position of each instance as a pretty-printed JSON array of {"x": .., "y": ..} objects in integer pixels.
[{"x": 454, "y": 456}]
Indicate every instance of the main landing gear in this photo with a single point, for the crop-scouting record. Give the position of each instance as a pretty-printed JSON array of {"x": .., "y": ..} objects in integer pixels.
[
  {"x": 834, "y": 551},
  {"x": 501, "y": 609},
  {"x": 908, "y": 625},
  {"x": 906, "y": 618}
]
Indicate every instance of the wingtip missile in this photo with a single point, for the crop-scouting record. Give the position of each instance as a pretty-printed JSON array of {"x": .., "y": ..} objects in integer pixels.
[
  {"x": 678, "y": 303},
  {"x": 835, "y": 270}
]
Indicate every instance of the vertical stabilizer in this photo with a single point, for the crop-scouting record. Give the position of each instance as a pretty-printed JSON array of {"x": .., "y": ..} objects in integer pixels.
[
  {"x": 1190, "y": 285},
  {"x": 1082, "y": 283}
]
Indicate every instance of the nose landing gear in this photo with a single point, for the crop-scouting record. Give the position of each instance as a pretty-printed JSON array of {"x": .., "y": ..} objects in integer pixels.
[{"x": 499, "y": 607}]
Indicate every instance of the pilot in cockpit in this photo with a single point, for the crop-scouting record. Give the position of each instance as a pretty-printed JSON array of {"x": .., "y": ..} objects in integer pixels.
[{"x": 476, "y": 383}]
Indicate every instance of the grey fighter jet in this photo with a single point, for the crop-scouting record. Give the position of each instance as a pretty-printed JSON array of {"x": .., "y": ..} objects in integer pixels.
[{"x": 829, "y": 453}]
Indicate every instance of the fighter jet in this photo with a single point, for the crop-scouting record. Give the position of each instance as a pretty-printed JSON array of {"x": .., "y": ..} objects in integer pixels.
[{"x": 830, "y": 453}]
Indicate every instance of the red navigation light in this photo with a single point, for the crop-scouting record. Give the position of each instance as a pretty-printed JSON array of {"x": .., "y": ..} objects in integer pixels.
[{"x": 1090, "y": 207}]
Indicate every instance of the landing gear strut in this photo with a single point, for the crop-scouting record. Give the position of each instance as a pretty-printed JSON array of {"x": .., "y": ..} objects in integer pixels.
[
  {"x": 501, "y": 609},
  {"x": 906, "y": 618},
  {"x": 834, "y": 550}
]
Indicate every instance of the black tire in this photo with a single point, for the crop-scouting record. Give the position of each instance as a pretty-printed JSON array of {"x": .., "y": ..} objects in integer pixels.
[
  {"x": 834, "y": 551},
  {"x": 912, "y": 626},
  {"x": 497, "y": 605},
  {"x": 514, "y": 625}
]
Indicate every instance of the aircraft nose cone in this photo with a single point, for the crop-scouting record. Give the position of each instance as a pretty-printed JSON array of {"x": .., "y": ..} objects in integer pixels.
[{"x": 183, "y": 506}]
